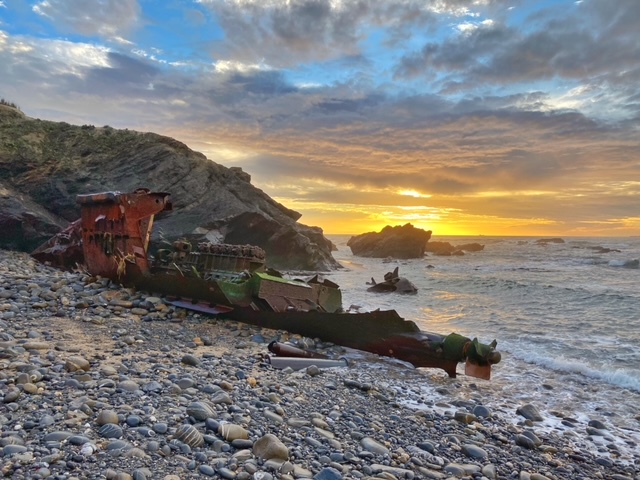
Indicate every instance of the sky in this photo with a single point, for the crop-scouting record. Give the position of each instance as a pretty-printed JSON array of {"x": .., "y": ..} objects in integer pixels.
[{"x": 464, "y": 117}]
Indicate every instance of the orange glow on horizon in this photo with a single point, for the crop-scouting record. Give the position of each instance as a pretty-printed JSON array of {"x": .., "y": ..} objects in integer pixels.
[
  {"x": 460, "y": 217},
  {"x": 465, "y": 225}
]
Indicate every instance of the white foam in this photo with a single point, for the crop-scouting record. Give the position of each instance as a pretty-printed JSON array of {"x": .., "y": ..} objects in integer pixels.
[
  {"x": 635, "y": 263},
  {"x": 618, "y": 377}
]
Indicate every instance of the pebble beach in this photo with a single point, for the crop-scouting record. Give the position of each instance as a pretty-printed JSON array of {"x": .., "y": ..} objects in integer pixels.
[{"x": 102, "y": 382}]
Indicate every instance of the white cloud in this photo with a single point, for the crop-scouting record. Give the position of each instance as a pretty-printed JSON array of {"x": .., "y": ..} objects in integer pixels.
[
  {"x": 455, "y": 8},
  {"x": 466, "y": 28},
  {"x": 60, "y": 56},
  {"x": 121, "y": 41},
  {"x": 226, "y": 66},
  {"x": 72, "y": 57}
]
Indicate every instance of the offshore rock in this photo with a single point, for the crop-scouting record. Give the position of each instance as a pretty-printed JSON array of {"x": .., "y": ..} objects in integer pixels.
[
  {"x": 545, "y": 241},
  {"x": 44, "y": 165},
  {"x": 404, "y": 241},
  {"x": 446, "y": 249}
]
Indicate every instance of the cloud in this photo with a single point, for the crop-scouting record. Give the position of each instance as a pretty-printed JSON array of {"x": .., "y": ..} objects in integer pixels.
[
  {"x": 35, "y": 59},
  {"x": 285, "y": 32},
  {"x": 102, "y": 18},
  {"x": 478, "y": 112},
  {"x": 491, "y": 52}
]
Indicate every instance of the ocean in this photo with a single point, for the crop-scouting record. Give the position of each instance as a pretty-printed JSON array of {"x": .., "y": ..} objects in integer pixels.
[{"x": 566, "y": 317}]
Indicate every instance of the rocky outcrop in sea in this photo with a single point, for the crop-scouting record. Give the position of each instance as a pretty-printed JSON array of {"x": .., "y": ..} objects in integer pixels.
[{"x": 401, "y": 241}]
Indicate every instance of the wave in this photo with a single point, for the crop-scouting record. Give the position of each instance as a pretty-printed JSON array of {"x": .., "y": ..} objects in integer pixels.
[
  {"x": 618, "y": 377},
  {"x": 635, "y": 263}
]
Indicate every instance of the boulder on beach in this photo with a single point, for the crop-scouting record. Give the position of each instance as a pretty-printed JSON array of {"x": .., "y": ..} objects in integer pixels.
[{"x": 404, "y": 241}]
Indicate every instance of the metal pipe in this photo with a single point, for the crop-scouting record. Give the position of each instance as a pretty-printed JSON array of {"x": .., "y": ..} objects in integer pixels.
[{"x": 297, "y": 363}]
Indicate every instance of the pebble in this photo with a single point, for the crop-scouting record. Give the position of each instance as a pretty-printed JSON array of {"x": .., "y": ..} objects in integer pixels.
[
  {"x": 269, "y": 447},
  {"x": 530, "y": 412},
  {"x": 99, "y": 381}
]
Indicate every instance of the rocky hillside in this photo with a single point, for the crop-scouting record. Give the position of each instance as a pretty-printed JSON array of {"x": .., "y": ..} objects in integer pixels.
[{"x": 44, "y": 165}]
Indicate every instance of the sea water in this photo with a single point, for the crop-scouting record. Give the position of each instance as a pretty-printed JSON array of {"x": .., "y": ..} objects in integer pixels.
[{"x": 566, "y": 317}]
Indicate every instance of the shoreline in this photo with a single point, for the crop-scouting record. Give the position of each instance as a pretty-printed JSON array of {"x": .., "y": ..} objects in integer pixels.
[{"x": 99, "y": 381}]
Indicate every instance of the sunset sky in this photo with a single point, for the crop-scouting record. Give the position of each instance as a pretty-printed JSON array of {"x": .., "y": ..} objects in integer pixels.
[{"x": 495, "y": 117}]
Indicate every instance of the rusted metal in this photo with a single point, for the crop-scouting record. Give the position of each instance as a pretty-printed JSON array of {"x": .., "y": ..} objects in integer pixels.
[
  {"x": 116, "y": 228},
  {"x": 382, "y": 332},
  {"x": 285, "y": 350},
  {"x": 298, "y": 363},
  {"x": 63, "y": 250}
]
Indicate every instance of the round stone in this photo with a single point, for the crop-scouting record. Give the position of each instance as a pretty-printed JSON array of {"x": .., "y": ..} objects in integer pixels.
[
  {"x": 191, "y": 360},
  {"x": 373, "y": 446},
  {"x": 107, "y": 416},
  {"x": 269, "y": 447},
  {"x": 474, "y": 451},
  {"x": 160, "y": 427},
  {"x": 231, "y": 432},
  {"x": 76, "y": 362},
  {"x": 207, "y": 470},
  {"x": 128, "y": 386},
  {"x": 189, "y": 435},
  {"x": 200, "y": 411},
  {"x": 133, "y": 420},
  {"x": 110, "y": 430}
]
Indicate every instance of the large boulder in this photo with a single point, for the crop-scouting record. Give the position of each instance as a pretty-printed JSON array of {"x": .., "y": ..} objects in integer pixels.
[
  {"x": 50, "y": 163},
  {"x": 23, "y": 223},
  {"x": 404, "y": 241}
]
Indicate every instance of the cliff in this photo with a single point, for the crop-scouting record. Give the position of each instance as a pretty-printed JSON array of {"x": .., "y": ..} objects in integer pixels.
[{"x": 44, "y": 165}]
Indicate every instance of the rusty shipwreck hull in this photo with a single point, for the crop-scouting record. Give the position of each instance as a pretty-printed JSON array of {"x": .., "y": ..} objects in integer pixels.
[
  {"x": 112, "y": 238},
  {"x": 382, "y": 332}
]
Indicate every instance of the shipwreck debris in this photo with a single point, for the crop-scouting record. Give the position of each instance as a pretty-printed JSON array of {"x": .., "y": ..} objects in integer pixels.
[
  {"x": 298, "y": 363},
  {"x": 287, "y": 350},
  {"x": 233, "y": 282},
  {"x": 392, "y": 283}
]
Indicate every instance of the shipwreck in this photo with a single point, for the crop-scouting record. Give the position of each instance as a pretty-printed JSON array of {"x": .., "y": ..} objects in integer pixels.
[{"x": 111, "y": 239}]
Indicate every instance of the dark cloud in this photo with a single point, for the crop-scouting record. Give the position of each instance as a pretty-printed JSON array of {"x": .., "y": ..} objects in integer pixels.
[
  {"x": 591, "y": 42},
  {"x": 284, "y": 33},
  {"x": 105, "y": 18},
  {"x": 263, "y": 83},
  {"x": 124, "y": 76}
]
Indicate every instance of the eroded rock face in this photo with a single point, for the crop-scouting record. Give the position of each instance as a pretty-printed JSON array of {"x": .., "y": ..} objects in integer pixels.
[
  {"x": 404, "y": 241},
  {"x": 23, "y": 223},
  {"x": 47, "y": 164}
]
